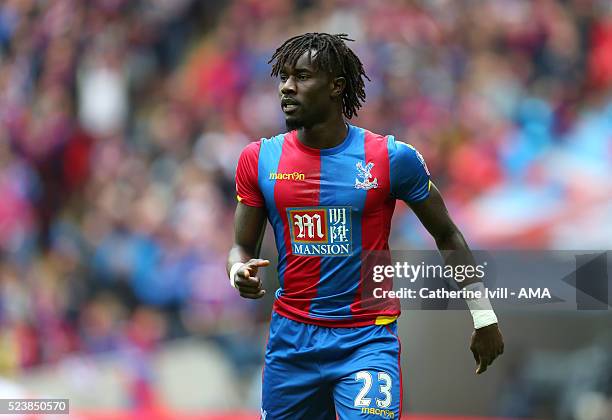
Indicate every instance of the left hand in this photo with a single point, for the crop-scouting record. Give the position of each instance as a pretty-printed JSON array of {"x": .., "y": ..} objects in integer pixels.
[{"x": 487, "y": 344}]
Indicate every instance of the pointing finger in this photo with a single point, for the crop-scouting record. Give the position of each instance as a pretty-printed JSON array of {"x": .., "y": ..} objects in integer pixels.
[{"x": 258, "y": 262}]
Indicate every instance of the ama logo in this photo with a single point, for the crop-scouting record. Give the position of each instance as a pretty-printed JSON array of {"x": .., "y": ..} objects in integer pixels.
[{"x": 324, "y": 231}]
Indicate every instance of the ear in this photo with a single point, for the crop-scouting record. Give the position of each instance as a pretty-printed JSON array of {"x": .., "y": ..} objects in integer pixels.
[{"x": 337, "y": 84}]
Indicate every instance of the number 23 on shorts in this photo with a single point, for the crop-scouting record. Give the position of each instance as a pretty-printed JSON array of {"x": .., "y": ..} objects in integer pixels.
[{"x": 366, "y": 402}]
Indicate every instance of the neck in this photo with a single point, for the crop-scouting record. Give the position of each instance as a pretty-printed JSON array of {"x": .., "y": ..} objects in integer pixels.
[{"x": 324, "y": 135}]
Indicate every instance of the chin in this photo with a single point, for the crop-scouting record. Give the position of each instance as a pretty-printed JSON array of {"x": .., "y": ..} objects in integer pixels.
[{"x": 293, "y": 123}]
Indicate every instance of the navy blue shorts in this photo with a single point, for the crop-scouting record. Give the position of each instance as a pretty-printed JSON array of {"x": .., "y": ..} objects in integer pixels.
[{"x": 314, "y": 372}]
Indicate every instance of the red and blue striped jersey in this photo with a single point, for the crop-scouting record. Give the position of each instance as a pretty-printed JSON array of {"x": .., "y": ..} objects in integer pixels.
[{"x": 328, "y": 209}]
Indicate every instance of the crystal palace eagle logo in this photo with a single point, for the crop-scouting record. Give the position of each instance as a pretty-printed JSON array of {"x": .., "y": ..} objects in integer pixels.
[{"x": 365, "y": 175}]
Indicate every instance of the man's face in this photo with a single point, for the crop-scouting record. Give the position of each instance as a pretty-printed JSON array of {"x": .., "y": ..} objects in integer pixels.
[{"x": 306, "y": 93}]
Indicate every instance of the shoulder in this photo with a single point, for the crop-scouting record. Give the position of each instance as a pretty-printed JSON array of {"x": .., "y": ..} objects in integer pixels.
[
  {"x": 374, "y": 144},
  {"x": 254, "y": 146},
  {"x": 389, "y": 143},
  {"x": 386, "y": 141},
  {"x": 263, "y": 147},
  {"x": 276, "y": 140},
  {"x": 398, "y": 146},
  {"x": 406, "y": 156},
  {"x": 249, "y": 157},
  {"x": 373, "y": 139},
  {"x": 403, "y": 149}
]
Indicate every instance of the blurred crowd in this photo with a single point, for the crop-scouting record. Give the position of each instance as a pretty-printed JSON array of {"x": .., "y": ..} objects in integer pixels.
[
  {"x": 113, "y": 234},
  {"x": 121, "y": 123}
]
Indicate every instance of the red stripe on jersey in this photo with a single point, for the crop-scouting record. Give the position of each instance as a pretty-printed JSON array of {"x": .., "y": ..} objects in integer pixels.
[
  {"x": 375, "y": 227},
  {"x": 376, "y": 220},
  {"x": 302, "y": 273},
  {"x": 247, "y": 173}
]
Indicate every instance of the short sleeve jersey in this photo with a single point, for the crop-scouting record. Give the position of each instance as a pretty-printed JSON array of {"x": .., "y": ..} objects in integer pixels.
[{"x": 330, "y": 208}]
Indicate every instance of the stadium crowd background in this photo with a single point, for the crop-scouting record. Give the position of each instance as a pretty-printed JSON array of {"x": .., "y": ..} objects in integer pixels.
[{"x": 121, "y": 123}]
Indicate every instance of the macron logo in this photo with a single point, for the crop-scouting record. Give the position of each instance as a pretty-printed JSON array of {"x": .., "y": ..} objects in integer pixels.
[{"x": 294, "y": 176}]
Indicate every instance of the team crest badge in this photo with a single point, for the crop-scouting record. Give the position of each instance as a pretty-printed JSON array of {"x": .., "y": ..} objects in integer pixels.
[{"x": 365, "y": 174}]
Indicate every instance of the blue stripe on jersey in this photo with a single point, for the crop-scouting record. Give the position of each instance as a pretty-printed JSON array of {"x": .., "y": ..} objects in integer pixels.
[
  {"x": 338, "y": 174},
  {"x": 269, "y": 157},
  {"x": 392, "y": 163}
]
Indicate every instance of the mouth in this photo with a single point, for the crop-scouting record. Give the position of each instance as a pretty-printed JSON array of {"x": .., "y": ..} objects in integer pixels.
[{"x": 289, "y": 106}]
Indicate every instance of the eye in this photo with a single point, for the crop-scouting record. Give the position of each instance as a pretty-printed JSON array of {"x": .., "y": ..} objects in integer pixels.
[
  {"x": 303, "y": 76},
  {"x": 283, "y": 77}
]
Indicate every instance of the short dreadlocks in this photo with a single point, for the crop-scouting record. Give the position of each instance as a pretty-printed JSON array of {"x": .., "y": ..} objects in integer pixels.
[{"x": 333, "y": 56}]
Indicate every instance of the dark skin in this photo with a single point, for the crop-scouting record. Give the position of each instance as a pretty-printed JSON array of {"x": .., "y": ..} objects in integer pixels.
[
  {"x": 318, "y": 95},
  {"x": 311, "y": 100}
]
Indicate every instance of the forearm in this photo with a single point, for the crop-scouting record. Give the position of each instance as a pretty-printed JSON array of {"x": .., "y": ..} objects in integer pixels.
[
  {"x": 456, "y": 252},
  {"x": 487, "y": 342},
  {"x": 452, "y": 240},
  {"x": 249, "y": 228},
  {"x": 240, "y": 254}
]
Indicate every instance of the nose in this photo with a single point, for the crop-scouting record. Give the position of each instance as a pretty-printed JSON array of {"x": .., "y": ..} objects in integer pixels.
[{"x": 288, "y": 86}]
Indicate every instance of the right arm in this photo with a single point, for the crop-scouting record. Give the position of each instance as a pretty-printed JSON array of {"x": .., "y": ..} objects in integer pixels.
[{"x": 249, "y": 228}]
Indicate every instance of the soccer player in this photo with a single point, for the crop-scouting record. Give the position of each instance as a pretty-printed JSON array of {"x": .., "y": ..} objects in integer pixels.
[{"x": 328, "y": 189}]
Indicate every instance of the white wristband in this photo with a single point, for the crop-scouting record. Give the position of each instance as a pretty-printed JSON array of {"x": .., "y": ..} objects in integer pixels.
[
  {"x": 233, "y": 272},
  {"x": 481, "y": 310}
]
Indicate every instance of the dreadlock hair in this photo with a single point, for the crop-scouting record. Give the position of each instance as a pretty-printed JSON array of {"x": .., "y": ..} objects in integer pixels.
[{"x": 333, "y": 56}]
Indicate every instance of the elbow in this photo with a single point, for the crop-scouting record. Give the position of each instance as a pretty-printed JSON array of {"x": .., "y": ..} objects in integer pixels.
[{"x": 450, "y": 238}]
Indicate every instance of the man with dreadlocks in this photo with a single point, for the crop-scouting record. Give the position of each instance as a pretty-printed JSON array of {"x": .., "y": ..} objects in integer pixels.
[{"x": 328, "y": 189}]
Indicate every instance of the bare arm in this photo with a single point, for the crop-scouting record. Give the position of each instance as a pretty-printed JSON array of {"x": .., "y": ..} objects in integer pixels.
[
  {"x": 249, "y": 228},
  {"x": 435, "y": 218},
  {"x": 487, "y": 342}
]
